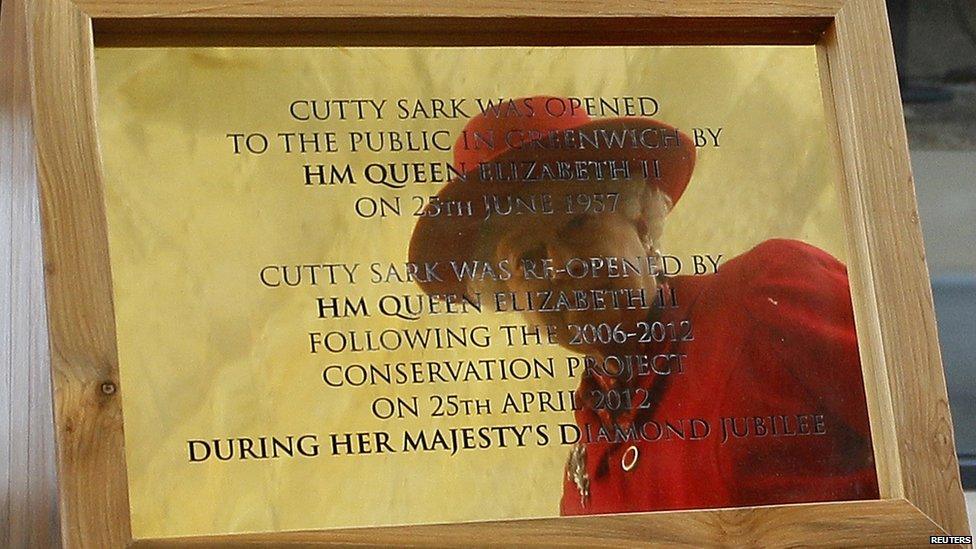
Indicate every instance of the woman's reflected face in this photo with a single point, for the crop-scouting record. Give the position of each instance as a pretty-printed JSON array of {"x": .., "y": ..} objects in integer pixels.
[{"x": 540, "y": 241}]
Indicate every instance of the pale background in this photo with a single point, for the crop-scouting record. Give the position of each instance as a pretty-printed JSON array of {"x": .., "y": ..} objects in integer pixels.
[{"x": 28, "y": 514}]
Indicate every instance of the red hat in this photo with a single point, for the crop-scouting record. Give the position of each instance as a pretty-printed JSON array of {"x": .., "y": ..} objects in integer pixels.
[{"x": 542, "y": 132}]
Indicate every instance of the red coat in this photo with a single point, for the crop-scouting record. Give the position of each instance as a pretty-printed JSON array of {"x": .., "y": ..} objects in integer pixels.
[{"x": 773, "y": 335}]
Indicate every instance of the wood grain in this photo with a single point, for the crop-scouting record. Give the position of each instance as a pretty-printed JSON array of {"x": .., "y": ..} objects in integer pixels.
[
  {"x": 868, "y": 523},
  {"x": 129, "y": 9},
  {"x": 84, "y": 364},
  {"x": 28, "y": 509},
  {"x": 863, "y": 294},
  {"x": 908, "y": 408},
  {"x": 491, "y": 22},
  {"x": 876, "y": 164}
]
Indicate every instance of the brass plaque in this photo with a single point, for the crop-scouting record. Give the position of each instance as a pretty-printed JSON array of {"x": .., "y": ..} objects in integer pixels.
[{"x": 381, "y": 286}]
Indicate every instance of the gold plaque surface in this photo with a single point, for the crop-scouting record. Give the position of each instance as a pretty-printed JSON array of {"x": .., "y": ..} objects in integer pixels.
[{"x": 291, "y": 358}]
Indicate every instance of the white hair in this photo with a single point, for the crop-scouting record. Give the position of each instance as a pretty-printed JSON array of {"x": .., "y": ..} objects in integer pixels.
[
  {"x": 646, "y": 209},
  {"x": 643, "y": 205}
]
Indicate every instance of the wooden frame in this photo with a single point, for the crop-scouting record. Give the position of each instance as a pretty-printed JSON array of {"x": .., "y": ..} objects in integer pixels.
[{"x": 917, "y": 470}]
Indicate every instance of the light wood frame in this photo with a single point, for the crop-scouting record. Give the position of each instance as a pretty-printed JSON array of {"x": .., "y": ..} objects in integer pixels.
[{"x": 912, "y": 430}]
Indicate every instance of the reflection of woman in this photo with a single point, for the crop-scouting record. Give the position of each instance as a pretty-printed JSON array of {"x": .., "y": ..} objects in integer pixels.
[{"x": 741, "y": 387}]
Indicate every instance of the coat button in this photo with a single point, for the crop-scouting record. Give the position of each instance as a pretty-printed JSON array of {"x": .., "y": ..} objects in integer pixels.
[{"x": 629, "y": 459}]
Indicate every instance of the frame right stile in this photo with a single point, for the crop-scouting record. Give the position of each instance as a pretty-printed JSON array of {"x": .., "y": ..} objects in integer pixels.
[{"x": 902, "y": 364}]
